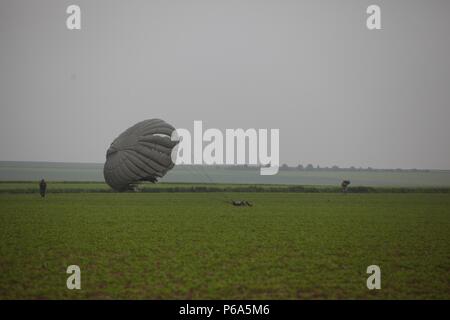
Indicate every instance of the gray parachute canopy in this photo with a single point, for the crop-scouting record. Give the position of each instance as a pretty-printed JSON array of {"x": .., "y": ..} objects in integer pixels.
[{"x": 141, "y": 153}]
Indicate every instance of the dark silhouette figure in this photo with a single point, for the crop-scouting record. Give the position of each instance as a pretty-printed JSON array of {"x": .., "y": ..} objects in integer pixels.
[
  {"x": 241, "y": 203},
  {"x": 345, "y": 185},
  {"x": 42, "y": 188}
]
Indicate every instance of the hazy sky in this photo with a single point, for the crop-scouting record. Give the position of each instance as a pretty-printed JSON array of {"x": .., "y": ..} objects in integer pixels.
[{"x": 339, "y": 93}]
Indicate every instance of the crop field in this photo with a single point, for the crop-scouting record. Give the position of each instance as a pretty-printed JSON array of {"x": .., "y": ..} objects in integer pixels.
[
  {"x": 198, "y": 246},
  {"x": 20, "y": 187}
]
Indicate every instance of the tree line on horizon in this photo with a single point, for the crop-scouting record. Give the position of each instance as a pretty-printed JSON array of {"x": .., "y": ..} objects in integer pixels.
[
  {"x": 308, "y": 167},
  {"x": 311, "y": 167}
]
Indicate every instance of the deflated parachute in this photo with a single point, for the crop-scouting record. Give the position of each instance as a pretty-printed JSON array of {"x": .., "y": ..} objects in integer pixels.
[{"x": 141, "y": 153}]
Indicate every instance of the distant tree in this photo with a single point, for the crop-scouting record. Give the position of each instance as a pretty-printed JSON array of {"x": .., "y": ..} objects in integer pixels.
[
  {"x": 335, "y": 167},
  {"x": 284, "y": 167},
  {"x": 300, "y": 167},
  {"x": 310, "y": 167}
]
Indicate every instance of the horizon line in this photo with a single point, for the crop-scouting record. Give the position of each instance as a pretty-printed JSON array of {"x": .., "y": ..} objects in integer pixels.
[{"x": 351, "y": 168}]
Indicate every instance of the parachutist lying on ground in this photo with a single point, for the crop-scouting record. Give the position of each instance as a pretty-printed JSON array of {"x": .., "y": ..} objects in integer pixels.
[{"x": 241, "y": 203}]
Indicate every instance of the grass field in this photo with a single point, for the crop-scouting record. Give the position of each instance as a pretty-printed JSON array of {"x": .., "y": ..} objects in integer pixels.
[
  {"x": 195, "y": 245},
  {"x": 21, "y": 187}
]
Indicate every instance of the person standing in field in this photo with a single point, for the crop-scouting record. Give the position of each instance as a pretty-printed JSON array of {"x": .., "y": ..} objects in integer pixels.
[
  {"x": 42, "y": 188},
  {"x": 344, "y": 185}
]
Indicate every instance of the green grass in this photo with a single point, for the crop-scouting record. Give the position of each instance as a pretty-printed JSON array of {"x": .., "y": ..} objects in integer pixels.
[
  {"x": 195, "y": 245},
  {"x": 83, "y": 187}
]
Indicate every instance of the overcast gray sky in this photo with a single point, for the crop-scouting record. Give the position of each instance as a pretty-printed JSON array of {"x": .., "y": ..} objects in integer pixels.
[{"x": 339, "y": 93}]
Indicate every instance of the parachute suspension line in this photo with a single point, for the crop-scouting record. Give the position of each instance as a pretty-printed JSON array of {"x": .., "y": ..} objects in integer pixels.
[
  {"x": 192, "y": 171},
  {"x": 220, "y": 195},
  {"x": 199, "y": 171},
  {"x": 206, "y": 174}
]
